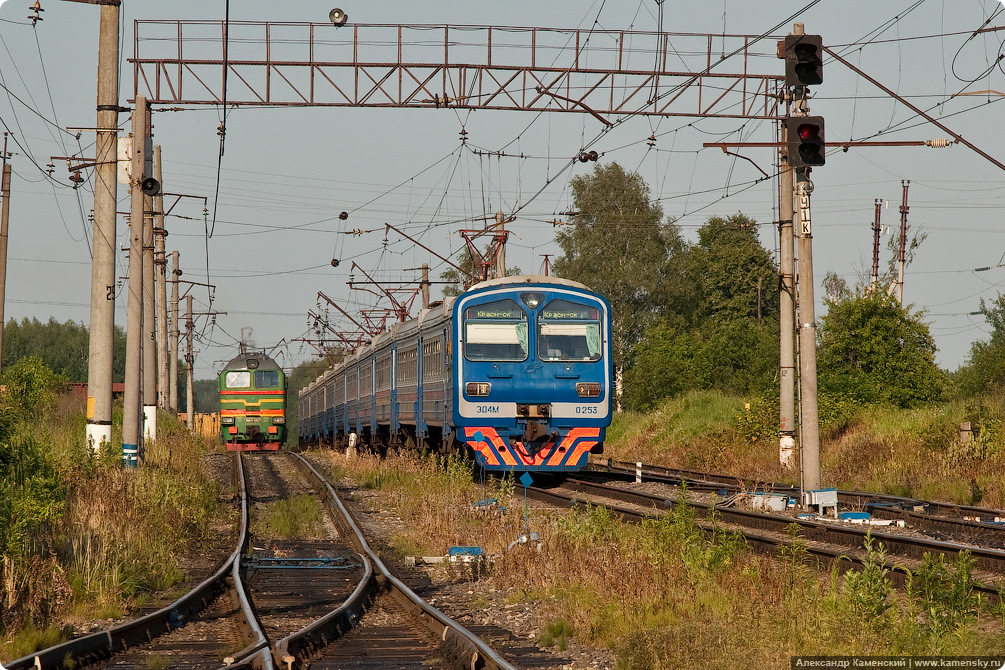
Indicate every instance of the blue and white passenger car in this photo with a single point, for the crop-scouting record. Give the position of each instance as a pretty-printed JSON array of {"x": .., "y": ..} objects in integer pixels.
[{"x": 517, "y": 369}]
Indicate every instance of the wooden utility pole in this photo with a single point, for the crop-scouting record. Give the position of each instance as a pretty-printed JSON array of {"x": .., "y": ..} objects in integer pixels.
[
  {"x": 876, "y": 230},
  {"x": 189, "y": 363},
  {"x": 4, "y": 219},
  {"x": 131, "y": 417},
  {"x": 160, "y": 279},
  {"x": 173, "y": 374},
  {"x": 102, "y": 323}
]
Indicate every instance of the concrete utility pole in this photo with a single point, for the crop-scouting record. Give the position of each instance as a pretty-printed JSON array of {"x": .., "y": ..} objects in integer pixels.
[
  {"x": 102, "y": 323},
  {"x": 189, "y": 363},
  {"x": 149, "y": 347},
  {"x": 173, "y": 374},
  {"x": 4, "y": 219},
  {"x": 903, "y": 243},
  {"x": 131, "y": 435},
  {"x": 810, "y": 428},
  {"x": 876, "y": 230},
  {"x": 160, "y": 278},
  {"x": 424, "y": 283},
  {"x": 786, "y": 318}
]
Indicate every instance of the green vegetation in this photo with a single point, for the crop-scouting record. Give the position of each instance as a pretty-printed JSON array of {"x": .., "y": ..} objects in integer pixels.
[
  {"x": 85, "y": 538},
  {"x": 658, "y": 591},
  {"x": 289, "y": 518},
  {"x": 873, "y": 350},
  {"x": 620, "y": 246},
  {"x": 63, "y": 347},
  {"x": 984, "y": 370}
]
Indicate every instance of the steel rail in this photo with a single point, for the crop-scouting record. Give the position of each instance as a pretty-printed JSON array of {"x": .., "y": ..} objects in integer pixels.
[
  {"x": 106, "y": 643},
  {"x": 462, "y": 647},
  {"x": 695, "y": 477}
]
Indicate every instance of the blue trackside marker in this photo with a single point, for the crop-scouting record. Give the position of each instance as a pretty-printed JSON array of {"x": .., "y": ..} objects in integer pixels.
[{"x": 526, "y": 480}]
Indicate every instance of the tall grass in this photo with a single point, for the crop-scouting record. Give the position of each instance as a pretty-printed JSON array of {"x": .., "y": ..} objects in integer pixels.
[
  {"x": 665, "y": 594},
  {"x": 916, "y": 452},
  {"x": 297, "y": 517},
  {"x": 93, "y": 538}
]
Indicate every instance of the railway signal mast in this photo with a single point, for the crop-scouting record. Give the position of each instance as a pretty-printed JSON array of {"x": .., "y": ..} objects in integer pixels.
[{"x": 805, "y": 149}]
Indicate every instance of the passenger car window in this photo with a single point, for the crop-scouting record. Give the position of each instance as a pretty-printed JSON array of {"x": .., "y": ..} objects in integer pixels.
[
  {"x": 495, "y": 331},
  {"x": 569, "y": 331}
]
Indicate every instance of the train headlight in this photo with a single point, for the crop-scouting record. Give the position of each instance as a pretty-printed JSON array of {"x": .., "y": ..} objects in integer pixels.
[
  {"x": 588, "y": 389},
  {"x": 227, "y": 421},
  {"x": 477, "y": 388},
  {"x": 278, "y": 419},
  {"x": 532, "y": 300}
]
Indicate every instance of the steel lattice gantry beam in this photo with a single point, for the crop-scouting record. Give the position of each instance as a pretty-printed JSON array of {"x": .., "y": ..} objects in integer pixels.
[{"x": 608, "y": 73}]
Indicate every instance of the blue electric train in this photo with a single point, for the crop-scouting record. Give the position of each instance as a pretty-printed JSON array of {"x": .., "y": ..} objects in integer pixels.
[{"x": 517, "y": 369}]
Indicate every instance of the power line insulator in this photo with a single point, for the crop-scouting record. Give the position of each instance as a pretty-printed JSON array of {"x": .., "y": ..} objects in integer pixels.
[{"x": 343, "y": 215}]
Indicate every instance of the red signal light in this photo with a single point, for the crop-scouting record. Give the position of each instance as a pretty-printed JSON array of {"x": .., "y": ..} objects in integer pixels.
[{"x": 805, "y": 141}]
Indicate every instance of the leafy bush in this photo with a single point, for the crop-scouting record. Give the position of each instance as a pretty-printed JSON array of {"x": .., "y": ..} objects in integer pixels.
[
  {"x": 868, "y": 590},
  {"x": 31, "y": 386},
  {"x": 875, "y": 350}
]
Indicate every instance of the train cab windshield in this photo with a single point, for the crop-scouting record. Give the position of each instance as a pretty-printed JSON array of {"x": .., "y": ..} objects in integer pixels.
[
  {"x": 238, "y": 379},
  {"x": 495, "y": 331},
  {"x": 267, "y": 379},
  {"x": 569, "y": 331}
]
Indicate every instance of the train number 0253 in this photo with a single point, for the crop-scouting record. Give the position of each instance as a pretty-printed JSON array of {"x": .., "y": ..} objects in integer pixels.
[{"x": 586, "y": 409}]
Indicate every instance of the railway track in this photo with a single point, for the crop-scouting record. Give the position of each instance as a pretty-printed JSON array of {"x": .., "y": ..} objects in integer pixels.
[
  {"x": 213, "y": 620},
  {"x": 949, "y": 522},
  {"x": 826, "y": 542},
  {"x": 327, "y": 602}
]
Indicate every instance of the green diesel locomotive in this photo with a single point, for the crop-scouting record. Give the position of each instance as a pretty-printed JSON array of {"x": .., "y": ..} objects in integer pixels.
[{"x": 252, "y": 403}]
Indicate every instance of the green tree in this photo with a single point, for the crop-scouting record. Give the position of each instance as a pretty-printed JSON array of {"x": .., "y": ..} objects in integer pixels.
[
  {"x": 665, "y": 365},
  {"x": 735, "y": 274},
  {"x": 984, "y": 369},
  {"x": 457, "y": 279},
  {"x": 63, "y": 347},
  {"x": 620, "y": 246},
  {"x": 874, "y": 350},
  {"x": 30, "y": 386},
  {"x": 717, "y": 340}
]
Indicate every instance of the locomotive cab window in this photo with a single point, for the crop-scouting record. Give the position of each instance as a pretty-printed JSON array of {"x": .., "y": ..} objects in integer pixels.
[
  {"x": 267, "y": 379},
  {"x": 238, "y": 379},
  {"x": 495, "y": 331},
  {"x": 569, "y": 331}
]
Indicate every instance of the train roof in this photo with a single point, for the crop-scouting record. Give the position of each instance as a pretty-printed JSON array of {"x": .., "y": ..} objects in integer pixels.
[
  {"x": 241, "y": 362},
  {"x": 528, "y": 279}
]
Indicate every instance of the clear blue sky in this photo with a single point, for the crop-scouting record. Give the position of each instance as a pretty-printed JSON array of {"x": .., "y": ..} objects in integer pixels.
[{"x": 288, "y": 172}]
